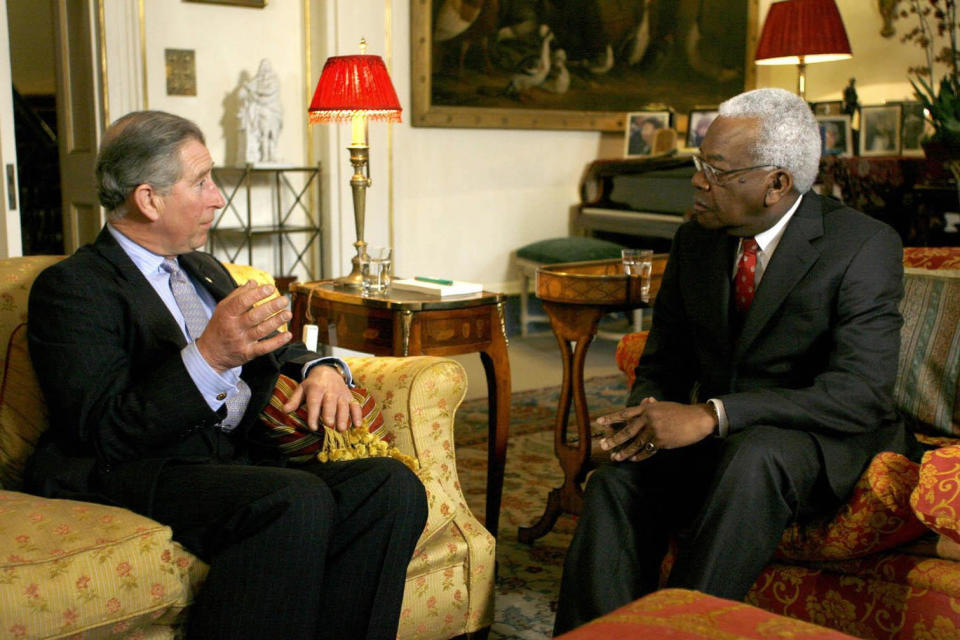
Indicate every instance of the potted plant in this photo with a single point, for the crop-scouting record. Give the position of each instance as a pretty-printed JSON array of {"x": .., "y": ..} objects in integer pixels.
[{"x": 936, "y": 22}]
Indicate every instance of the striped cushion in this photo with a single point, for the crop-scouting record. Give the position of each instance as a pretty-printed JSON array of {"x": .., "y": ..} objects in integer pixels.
[
  {"x": 289, "y": 433},
  {"x": 927, "y": 379}
]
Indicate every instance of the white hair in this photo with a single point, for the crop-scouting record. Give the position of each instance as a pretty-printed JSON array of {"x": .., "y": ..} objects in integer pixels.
[{"x": 789, "y": 136}]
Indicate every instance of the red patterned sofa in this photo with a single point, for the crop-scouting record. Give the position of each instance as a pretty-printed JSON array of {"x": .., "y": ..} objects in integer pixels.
[{"x": 888, "y": 565}]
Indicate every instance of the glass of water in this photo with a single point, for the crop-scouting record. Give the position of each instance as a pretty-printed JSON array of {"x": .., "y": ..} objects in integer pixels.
[
  {"x": 639, "y": 262},
  {"x": 375, "y": 270}
]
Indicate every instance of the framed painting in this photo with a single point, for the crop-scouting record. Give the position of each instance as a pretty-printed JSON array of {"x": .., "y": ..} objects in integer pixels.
[
  {"x": 642, "y": 127},
  {"x": 836, "y": 135},
  {"x": 578, "y": 65},
  {"x": 913, "y": 128},
  {"x": 698, "y": 122},
  {"x": 880, "y": 130},
  {"x": 828, "y": 108}
]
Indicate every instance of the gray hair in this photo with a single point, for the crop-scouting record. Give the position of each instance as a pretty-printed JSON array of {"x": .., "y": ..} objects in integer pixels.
[
  {"x": 142, "y": 147},
  {"x": 789, "y": 136}
]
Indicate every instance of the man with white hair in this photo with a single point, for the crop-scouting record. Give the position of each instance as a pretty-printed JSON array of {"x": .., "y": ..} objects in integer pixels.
[{"x": 766, "y": 384}]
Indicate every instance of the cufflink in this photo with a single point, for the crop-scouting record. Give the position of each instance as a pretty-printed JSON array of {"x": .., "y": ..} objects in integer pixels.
[{"x": 221, "y": 396}]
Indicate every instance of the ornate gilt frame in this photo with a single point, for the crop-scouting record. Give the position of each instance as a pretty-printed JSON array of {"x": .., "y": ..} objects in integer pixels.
[{"x": 426, "y": 114}]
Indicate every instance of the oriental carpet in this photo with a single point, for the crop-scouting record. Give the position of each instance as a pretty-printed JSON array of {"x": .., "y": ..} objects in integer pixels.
[{"x": 528, "y": 576}]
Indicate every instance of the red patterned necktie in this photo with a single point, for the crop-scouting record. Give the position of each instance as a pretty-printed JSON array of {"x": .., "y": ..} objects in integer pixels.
[{"x": 746, "y": 269}]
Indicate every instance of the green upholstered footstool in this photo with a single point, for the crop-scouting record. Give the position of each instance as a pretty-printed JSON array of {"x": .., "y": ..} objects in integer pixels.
[{"x": 552, "y": 251}]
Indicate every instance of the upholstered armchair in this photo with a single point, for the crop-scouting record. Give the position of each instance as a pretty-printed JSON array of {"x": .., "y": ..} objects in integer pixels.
[{"x": 76, "y": 569}]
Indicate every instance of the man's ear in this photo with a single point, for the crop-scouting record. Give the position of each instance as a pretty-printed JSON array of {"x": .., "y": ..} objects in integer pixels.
[
  {"x": 779, "y": 184},
  {"x": 147, "y": 201}
]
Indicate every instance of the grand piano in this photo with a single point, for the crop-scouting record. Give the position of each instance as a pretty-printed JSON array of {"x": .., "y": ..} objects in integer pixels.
[{"x": 636, "y": 201}]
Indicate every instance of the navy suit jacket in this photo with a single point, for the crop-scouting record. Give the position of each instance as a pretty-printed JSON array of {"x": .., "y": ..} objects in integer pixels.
[
  {"x": 106, "y": 351},
  {"x": 818, "y": 348}
]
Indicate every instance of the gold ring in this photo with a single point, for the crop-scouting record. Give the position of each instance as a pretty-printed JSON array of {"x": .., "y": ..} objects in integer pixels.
[{"x": 650, "y": 447}]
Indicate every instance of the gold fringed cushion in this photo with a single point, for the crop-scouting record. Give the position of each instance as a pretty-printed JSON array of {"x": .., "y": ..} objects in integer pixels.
[{"x": 289, "y": 433}]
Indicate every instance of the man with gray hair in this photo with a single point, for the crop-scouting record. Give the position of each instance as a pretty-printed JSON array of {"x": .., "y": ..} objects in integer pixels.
[
  {"x": 155, "y": 367},
  {"x": 766, "y": 383}
]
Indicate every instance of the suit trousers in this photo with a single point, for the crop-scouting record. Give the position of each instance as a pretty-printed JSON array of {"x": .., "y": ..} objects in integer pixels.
[
  {"x": 316, "y": 551},
  {"x": 724, "y": 502}
]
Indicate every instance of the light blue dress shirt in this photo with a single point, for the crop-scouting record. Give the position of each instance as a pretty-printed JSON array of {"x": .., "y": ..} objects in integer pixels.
[{"x": 214, "y": 387}]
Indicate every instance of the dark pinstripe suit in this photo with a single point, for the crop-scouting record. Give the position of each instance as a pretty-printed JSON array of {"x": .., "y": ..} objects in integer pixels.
[{"x": 293, "y": 554}]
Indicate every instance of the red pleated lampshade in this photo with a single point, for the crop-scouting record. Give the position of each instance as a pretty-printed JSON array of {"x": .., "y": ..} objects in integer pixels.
[
  {"x": 353, "y": 85},
  {"x": 809, "y": 28}
]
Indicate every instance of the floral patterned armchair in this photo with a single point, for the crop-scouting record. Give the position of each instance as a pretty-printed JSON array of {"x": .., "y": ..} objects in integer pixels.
[
  {"x": 887, "y": 566},
  {"x": 82, "y": 570}
]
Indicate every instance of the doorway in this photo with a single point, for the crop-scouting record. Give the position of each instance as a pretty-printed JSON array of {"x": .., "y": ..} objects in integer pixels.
[{"x": 33, "y": 72}]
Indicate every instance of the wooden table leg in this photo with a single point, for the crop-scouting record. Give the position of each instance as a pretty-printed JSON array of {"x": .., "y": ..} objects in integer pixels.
[
  {"x": 577, "y": 324},
  {"x": 496, "y": 366}
]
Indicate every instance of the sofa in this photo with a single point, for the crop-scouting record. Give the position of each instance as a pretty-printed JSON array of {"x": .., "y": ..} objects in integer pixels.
[
  {"x": 887, "y": 565},
  {"x": 81, "y": 570}
]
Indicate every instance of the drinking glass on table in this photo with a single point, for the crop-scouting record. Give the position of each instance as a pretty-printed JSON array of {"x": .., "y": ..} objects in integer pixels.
[
  {"x": 639, "y": 262},
  {"x": 375, "y": 270}
]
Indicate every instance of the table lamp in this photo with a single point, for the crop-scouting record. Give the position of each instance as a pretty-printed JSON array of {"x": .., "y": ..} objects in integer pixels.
[
  {"x": 356, "y": 88},
  {"x": 802, "y": 32}
]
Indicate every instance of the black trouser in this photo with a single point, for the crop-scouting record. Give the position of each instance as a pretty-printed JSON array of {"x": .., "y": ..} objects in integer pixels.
[
  {"x": 316, "y": 551},
  {"x": 725, "y": 502}
]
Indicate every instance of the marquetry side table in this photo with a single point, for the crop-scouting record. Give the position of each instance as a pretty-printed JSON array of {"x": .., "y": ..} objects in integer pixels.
[
  {"x": 405, "y": 323},
  {"x": 576, "y": 295}
]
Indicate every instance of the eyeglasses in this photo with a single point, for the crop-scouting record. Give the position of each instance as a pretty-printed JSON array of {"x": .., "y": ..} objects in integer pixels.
[{"x": 719, "y": 176}]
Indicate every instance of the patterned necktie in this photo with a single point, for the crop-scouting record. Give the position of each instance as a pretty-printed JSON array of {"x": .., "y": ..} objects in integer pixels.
[
  {"x": 746, "y": 271},
  {"x": 195, "y": 315}
]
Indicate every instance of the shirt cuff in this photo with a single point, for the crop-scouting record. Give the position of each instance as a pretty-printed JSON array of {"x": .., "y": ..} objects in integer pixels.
[
  {"x": 213, "y": 386},
  {"x": 723, "y": 426},
  {"x": 330, "y": 361}
]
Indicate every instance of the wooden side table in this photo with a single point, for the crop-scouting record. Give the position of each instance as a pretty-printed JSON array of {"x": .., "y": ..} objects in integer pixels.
[
  {"x": 405, "y": 323},
  {"x": 576, "y": 295}
]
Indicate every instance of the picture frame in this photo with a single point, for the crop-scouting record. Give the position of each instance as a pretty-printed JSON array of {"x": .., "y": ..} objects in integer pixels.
[
  {"x": 913, "y": 128},
  {"x": 641, "y": 129},
  {"x": 489, "y": 88},
  {"x": 698, "y": 122},
  {"x": 836, "y": 135},
  {"x": 880, "y": 130},
  {"x": 827, "y": 108},
  {"x": 257, "y": 4}
]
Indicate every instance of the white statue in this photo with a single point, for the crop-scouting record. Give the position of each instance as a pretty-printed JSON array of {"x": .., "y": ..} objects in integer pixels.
[{"x": 260, "y": 114}]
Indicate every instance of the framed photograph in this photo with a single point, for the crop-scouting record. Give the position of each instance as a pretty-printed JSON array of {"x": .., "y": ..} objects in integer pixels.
[
  {"x": 259, "y": 4},
  {"x": 880, "y": 130},
  {"x": 830, "y": 108},
  {"x": 697, "y": 124},
  {"x": 642, "y": 127},
  {"x": 836, "y": 135},
  {"x": 578, "y": 65},
  {"x": 913, "y": 128}
]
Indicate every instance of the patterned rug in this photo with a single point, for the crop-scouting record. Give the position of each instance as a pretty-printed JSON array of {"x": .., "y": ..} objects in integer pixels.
[{"x": 528, "y": 576}]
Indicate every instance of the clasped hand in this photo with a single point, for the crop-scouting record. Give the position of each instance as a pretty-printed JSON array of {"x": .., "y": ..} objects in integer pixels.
[
  {"x": 628, "y": 433},
  {"x": 238, "y": 332}
]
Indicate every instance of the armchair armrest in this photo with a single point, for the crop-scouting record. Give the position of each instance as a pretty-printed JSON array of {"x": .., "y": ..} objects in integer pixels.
[{"x": 418, "y": 397}]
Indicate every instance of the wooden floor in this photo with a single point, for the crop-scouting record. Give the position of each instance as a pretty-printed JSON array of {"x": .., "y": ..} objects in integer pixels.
[{"x": 535, "y": 362}]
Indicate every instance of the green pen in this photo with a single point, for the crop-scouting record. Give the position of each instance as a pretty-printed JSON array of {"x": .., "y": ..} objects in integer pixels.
[{"x": 434, "y": 280}]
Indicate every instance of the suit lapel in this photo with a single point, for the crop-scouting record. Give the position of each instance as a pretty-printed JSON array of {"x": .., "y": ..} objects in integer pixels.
[
  {"x": 142, "y": 295},
  {"x": 791, "y": 261},
  {"x": 209, "y": 273}
]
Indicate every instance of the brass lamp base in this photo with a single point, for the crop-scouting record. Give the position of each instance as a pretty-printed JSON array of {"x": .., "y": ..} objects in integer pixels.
[{"x": 353, "y": 279}]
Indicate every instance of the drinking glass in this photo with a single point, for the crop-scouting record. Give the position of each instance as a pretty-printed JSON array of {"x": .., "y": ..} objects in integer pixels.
[
  {"x": 639, "y": 262},
  {"x": 375, "y": 270}
]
